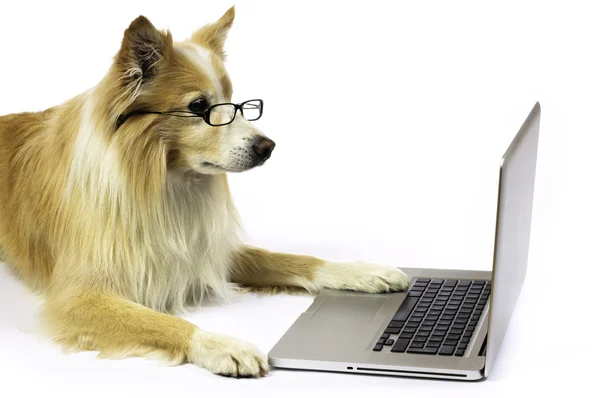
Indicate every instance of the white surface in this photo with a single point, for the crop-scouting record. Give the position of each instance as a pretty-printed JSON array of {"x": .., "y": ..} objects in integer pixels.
[{"x": 390, "y": 120}]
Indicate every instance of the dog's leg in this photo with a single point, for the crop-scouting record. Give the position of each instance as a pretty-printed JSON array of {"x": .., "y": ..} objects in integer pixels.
[
  {"x": 258, "y": 267},
  {"x": 117, "y": 328}
]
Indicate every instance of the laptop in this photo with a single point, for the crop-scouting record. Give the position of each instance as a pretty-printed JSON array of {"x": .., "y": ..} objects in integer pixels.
[{"x": 450, "y": 323}]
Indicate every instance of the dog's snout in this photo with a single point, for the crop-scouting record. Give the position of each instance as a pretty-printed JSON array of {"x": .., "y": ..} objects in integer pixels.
[{"x": 263, "y": 147}]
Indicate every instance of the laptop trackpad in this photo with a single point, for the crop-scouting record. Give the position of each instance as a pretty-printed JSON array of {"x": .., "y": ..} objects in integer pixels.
[{"x": 349, "y": 309}]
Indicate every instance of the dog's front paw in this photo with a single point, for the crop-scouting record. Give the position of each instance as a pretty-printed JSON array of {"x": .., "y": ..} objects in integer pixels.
[
  {"x": 227, "y": 356},
  {"x": 363, "y": 277}
]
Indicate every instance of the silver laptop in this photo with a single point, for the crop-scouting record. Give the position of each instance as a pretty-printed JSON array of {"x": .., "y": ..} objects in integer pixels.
[{"x": 450, "y": 323}]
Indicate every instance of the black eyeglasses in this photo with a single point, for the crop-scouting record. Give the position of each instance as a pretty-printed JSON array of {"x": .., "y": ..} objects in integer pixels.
[{"x": 214, "y": 115}]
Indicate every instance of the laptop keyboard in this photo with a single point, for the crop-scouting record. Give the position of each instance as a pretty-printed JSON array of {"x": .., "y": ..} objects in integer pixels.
[{"x": 437, "y": 317}]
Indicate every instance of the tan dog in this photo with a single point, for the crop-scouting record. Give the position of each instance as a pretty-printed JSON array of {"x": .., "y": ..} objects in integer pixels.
[{"x": 119, "y": 218}]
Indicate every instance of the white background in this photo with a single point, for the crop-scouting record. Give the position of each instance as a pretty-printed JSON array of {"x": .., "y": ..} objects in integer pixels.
[{"x": 390, "y": 120}]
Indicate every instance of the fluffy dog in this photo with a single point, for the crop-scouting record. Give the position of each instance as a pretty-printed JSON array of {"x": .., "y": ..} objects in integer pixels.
[{"x": 121, "y": 218}]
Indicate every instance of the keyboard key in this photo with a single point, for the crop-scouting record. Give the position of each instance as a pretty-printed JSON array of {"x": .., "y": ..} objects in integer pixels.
[
  {"x": 455, "y": 330},
  {"x": 400, "y": 345},
  {"x": 409, "y": 330},
  {"x": 420, "y": 339},
  {"x": 389, "y": 342},
  {"x": 412, "y": 324},
  {"x": 425, "y": 350},
  {"x": 437, "y": 338},
  {"x": 437, "y": 307},
  {"x": 477, "y": 312},
  {"x": 479, "y": 283},
  {"x": 429, "y": 323},
  {"x": 434, "y": 344},
  {"x": 377, "y": 347},
  {"x": 462, "y": 346},
  {"x": 394, "y": 324},
  {"x": 444, "y": 323},
  {"x": 405, "y": 308},
  {"x": 429, "y": 295},
  {"x": 451, "y": 342},
  {"x": 385, "y": 336},
  {"x": 423, "y": 333},
  {"x": 465, "y": 340},
  {"x": 381, "y": 341},
  {"x": 417, "y": 345},
  {"x": 405, "y": 335},
  {"x": 426, "y": 327},
  {"x": 441, "y": 327},
  {"x": 426, "y": 300},
  {"x": 468, "y": 334},
  {"x": 453, "y": 336},
  {"x": 446, "y": 350},
  {"x": 464, "y": 283},
  {"x": 470, "y": 328},
  {"x": 450, "y": 282},
  {"x": 447, "y": 317},
  {"x": 438, "y": 333},
  {"x": 414, "y": 293},
  {"x": 392, "y": 330},
  {"x": 437, "y": 281},
  {"x": 423, "y": 280},
  {"x": 459, "y": 353}
]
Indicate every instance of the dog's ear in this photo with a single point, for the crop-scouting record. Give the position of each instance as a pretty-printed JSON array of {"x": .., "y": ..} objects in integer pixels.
[
  {"x": 143, "y": 49},
  {"x": 213, "y": 35}
]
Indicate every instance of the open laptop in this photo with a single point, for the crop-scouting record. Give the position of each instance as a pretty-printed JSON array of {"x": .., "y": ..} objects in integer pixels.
[{"x": 450, "y": 323}]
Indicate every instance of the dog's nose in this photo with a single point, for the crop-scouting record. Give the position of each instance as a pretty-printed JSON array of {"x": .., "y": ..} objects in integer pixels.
[{"x": 263, "y": 147}]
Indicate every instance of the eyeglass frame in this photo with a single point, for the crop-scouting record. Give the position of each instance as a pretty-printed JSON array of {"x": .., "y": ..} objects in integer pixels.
[{"x": 204, "y": 115}]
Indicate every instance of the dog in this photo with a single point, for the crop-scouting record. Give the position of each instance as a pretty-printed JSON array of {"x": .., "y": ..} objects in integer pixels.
[{"x": 121, "y": 216}]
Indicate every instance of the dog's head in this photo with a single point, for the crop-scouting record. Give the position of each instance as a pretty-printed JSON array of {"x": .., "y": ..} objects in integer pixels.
[{"x": 152, "y": 73}]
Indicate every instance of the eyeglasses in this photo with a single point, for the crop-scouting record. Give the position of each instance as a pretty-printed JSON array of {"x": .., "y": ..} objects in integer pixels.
[{"x": 214, "y": 115}]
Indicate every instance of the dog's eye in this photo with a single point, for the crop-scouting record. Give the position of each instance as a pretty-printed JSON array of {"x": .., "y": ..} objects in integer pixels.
[{"x": 199, "y": 106}]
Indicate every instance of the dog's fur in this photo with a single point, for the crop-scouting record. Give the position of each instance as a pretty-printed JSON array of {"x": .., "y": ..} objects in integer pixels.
[{"x": 118, "y": 226}]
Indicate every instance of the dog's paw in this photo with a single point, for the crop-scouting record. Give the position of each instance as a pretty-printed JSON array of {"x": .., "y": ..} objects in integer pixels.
[
  {"x": 363, "y": 277},
  {"x": 227, "y": 356}
]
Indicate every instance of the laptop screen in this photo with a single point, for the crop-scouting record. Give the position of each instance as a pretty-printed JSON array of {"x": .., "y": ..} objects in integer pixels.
[{"x": 513, "y": 225}]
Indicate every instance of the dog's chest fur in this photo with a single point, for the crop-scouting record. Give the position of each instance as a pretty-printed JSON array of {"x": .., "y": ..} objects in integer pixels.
[{"x": 187, "y": 255}]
